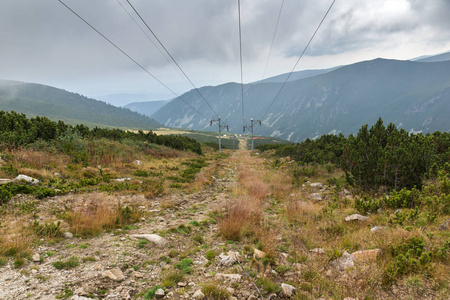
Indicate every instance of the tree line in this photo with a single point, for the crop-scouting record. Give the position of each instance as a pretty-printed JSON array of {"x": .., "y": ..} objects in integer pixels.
[
  {"x": 377, "y": 157},
  {"x": 17, "y": 130}
]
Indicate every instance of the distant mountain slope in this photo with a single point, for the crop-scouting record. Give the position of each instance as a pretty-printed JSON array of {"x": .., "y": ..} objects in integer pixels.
[
  {"x": 147, "y": 108},
  {"x": 297, "y": 75},
  {"x": 435, "y": 58},
  {"x": 413, "y": 95},
  {"x": 57, "y": 104}
]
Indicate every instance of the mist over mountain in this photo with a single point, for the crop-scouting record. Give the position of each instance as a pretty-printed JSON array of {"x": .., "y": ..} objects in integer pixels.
[
  {"x": 413, "y": 95},
  {"x": 57, "y": 104},
  {"x": 434, "y": 58},
  {"x": 147, "y": 108}
]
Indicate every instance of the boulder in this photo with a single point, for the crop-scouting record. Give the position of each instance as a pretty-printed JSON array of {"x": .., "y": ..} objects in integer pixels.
[
  {"x": 154, "y": 238},
  {"x": 27, "y": 179},
  {"x": 317, "y": 251},
  {"x": 229, "y": 259},
  {"x": 287, "y": 289},
  {"x": 356, "y": 217},
  {"x": 344, "y": 262},
  {"x": 367, "y": 255},
  {"x": 160, "y": 293},
  {"x": 3, "y": 181},
  {"x": 315, "y": 196},
  {"x": 316, "y": 184},
  {"x": 377, "y": 228},
  {"x": 230, "y": 277},
  {"x": 114, "y": 274},
  {"x": 68, "y": 235},
  {"x": 259, "y": 254},
  {"x": 198, "y": 295},
  {"x": 36, "y": 257}
]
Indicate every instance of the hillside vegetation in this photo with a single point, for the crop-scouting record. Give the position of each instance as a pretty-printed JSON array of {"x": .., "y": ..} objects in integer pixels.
[
  {"x": 414, "y": 96},
  {"x": 118, "y": 215},
  {"x": 57, "y": 104}
]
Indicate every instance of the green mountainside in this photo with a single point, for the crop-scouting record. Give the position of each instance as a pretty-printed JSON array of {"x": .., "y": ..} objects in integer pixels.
[
  {"x": 57, "y": 104},
  {"x": 413, "y": 95}
]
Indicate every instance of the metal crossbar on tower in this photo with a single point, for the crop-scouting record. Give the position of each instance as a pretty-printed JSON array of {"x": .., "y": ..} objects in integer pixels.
[
  {"x": 251, "y": 127},
  {"x": 220, "y": 130}
]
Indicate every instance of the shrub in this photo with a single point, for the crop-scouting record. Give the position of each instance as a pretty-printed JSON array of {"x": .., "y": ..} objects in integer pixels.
[
  {"x": 50, "y": 230},
  {"x": 367, "y": 205},
  {"x": 212, "y": 291},
  {"x": 268, "y": 285},
  {"x": 72, "y": 262},
  {"x": 150, "y": 294},
  {"x": 185, "y": 265},
  {"x": 210, "y": 255},
  {"x": 172, "y": 278}
]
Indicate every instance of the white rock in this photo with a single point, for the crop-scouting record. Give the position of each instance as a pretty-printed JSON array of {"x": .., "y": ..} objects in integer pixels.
[
  {"x": 235, "y": 255},
  {"x": 259, "y": 254},
  {"x": 344, "y": 262},
  {"x": 68, "y": 235},
  {"x": 160, "y": 293},
  {"x": 123, "y": 179},
  {"x": 154, "y": 238},
  {"x": 316, "y": 184},
  {"x": 317, "y": 251},
  {"x": 287, "y": 289},
  {"x": 356, "y": 217},
  {"x": 230, "y": 259},
  {"x": 27, "y": 179},
  {"x": 377, "y": 228},
  {"x": 3, "y": 181},
  {"x": 76, "y": 297},
  {"x": 198, "y": 295},
  {"x": 138, "y": 162},
  {"x": 231, "y": 277},
  {"x": 315, "y": 196},
  {"x": 36, "y": 258},
  {"x": 114, "y": 274}
]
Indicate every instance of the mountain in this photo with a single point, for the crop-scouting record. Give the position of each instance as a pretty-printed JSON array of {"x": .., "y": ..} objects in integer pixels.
[
  {"x": 435, "y": 58},
  {"x": 147, "y": 108},
  {"x": 413, "y": 95},
  {"x": 57, "y": 104},
  {"x": 297, "y": 75},
  {"x": 122, "y": 99}
]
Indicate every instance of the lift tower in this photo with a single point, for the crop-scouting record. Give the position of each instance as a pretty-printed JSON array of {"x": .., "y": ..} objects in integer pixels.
[{"x": 251, "y": 127}]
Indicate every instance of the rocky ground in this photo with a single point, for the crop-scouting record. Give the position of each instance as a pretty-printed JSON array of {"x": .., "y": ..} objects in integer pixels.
[{"x": 178, "y": 234}]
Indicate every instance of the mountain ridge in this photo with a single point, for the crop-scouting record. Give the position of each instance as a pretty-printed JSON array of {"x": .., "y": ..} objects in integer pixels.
[
  {"x": 342, "y": 100},
  {"x": 57, "y": 104}
]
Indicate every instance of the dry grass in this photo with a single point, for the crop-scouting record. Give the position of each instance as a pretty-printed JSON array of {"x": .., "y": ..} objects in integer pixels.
[
  {"x": 40, "y": 159},
  {"x": 39, "y": 174},
  {"x": 280, "y": 184},
  {"x": 100, "y": 213},
  {"x": 241, "y": 217},
  {"x": 15, "y": 245}
]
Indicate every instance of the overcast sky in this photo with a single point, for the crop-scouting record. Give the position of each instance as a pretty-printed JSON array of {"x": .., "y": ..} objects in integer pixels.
[{"x": 42, "y": 41}]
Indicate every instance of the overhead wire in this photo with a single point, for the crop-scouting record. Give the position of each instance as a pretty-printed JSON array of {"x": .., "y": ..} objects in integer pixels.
[
  {"x": 298, "y": 60},
  {"x": 240, "y": 57},
  {"x": 270, "y": 50},
  {"x": 173, "y": 59},
  {"x": 150, "y": 39},
  {"x": 129, "y": 57}
]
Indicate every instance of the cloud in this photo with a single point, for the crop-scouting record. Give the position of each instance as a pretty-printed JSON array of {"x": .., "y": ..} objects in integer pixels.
[{"x": 44, "y": 42}]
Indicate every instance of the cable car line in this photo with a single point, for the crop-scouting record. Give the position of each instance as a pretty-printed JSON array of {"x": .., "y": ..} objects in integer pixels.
[
  {"x": 168, "y": 53},
  {"x": 298, "y": 60},
  {"x": 129, "y": 57}
]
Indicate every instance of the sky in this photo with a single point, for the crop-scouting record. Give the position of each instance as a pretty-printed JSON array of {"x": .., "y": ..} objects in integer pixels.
[{"x": 43, "y": 42}]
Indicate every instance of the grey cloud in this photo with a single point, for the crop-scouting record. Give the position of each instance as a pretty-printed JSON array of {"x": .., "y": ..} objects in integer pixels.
[{"x": 42, "y": 41}]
